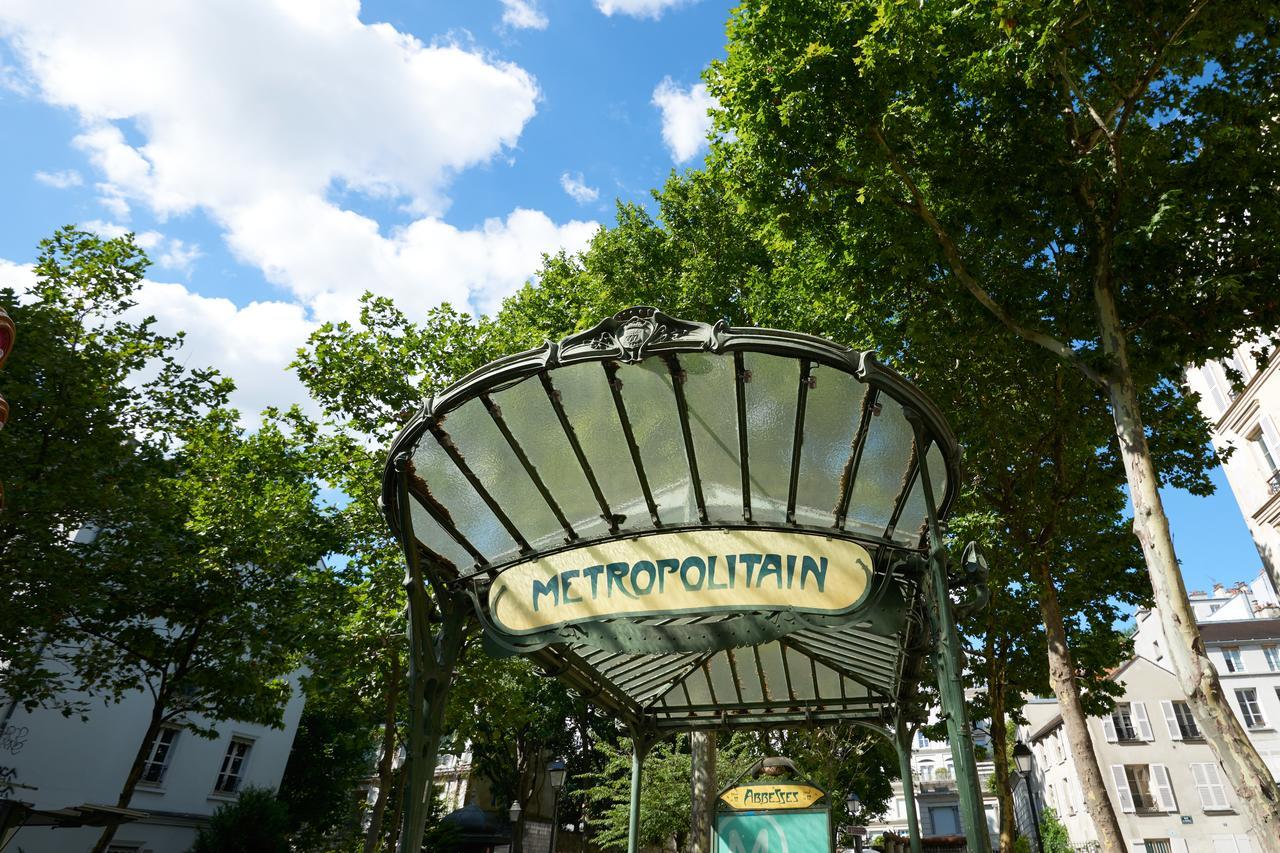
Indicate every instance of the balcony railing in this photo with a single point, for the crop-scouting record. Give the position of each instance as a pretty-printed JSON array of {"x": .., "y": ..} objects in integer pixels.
[{"x": 1273, "y": 482}]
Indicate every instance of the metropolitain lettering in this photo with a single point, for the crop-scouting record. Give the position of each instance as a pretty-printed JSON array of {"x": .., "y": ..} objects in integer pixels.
[{"x": 693, "y": 573}]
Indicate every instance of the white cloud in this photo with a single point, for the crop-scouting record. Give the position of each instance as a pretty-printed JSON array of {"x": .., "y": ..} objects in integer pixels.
[
  {"x": 685, "y": 122},
  {"x": 19, "y": 277},
  {"x": 423, "y": 264},
  {"x": 263, "y": 115},
  {"x": 638, "y": 8},
  {"x": 253, "y": 345},
  {"x": 523, "y": 15},
  {"x": 62, "y": 180},
  {"x": 166, "y": 252},
  {"x": 256, "y": 112},
  {"x": 577, "y": 188}
]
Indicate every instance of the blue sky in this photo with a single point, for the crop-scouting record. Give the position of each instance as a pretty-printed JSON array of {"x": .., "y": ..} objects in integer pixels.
[{"x": 279, "y": 158}]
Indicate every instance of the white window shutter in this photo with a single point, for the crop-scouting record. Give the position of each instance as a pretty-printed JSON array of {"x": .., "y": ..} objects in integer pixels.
[
  {"x": 1201, "y": 778},
  {"x": 1270, "y": 435},
  {"x": 1217, "y": 390},
  {"x": 1215, "y": 794},
  {"x": 1170, "y": 719},
  {"x": 1144, "y": 722},
  {"x": 1164, "y": 788},
  {"x": 1122, "y": 788},
  {"x": 1109, "y": 729}
]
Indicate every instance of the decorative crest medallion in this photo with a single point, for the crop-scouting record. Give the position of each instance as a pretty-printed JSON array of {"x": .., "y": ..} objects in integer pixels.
[{"x": 632, "y": 334}]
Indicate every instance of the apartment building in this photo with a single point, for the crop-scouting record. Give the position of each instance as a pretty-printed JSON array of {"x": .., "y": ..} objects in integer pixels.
[
  {"x": 1162, "y": 778},
  {"x": 1240, "y": 397},
  {"x": 54, "y": 764}
]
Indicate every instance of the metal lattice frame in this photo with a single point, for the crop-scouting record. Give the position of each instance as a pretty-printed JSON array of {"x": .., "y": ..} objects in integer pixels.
[{"x": 462, "y": 526}]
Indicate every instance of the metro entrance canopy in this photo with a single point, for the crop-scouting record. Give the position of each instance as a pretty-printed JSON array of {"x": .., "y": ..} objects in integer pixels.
[{"x": 694, "y": 526}]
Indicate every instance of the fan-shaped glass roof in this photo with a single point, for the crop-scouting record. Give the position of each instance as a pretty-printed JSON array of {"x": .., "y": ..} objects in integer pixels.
[{"x": 644, "y": 426}]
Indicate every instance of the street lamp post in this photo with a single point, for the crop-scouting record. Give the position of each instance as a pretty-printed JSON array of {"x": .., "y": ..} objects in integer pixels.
[
  {"x": 513, "y": 814},
  {"x": 1023, "y": 758},
  {"x": 853, "y": 804},
  {"x": 556, "y": 772}
]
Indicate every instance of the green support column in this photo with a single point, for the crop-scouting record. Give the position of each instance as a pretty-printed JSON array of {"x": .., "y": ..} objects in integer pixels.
[
  {"x": 902, "y": 742},
  {"x": 633, "y": 819},
  {"x": 973, "y": 815},
  {"x": 432, "y": 657}
]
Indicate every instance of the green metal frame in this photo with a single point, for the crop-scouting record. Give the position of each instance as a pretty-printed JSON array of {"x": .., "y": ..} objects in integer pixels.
[{"x": 632, "y": 686}]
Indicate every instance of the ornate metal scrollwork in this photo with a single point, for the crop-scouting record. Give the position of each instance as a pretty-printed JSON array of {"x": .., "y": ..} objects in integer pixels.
[{"x": 630, "y": 335}]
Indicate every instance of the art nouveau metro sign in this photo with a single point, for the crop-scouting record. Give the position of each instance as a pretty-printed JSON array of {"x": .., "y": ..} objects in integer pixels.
[{"x": 752, "y": 573}]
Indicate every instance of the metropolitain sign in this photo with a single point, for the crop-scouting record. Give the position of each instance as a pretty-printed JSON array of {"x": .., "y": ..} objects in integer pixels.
[{"x": 682, "y": 572}]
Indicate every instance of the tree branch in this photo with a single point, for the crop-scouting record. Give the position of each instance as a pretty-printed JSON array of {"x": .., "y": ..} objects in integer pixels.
[
  {"x": 961, "y": 271},
  {"x": 1124, "y": 105}
]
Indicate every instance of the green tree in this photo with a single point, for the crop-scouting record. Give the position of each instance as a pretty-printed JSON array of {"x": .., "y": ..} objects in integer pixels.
[
  {"x": 367, "y": 378},
  {"x": 1099, "y": 181},
  {"x": 256, "y": 822},
  {"x": 97, "y": 399},
  {"x": 208, "y": 597},
  {"x": 330, "y": 758}
]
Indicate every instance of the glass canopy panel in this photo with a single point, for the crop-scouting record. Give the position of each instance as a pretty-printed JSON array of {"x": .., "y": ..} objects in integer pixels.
[
  {"x": 775, "y": 673},
  {"x": 771, "y": 413},
  {"x": 433, "y": 536},
  {"x": 911, "y": 523},
  {"x": 651, "y": 407},
  {"x": 588, "y": 403},
  {"x": 881, "y": 472},
  {"x": 532, "y": 420},
  {"x": 743, "y": 664},
  {"x": 498, "y": 469},
  {"x": 470, "y": 515},
  {"x": 801, "y": 674},
  {"x": 696, "y": 684},
  {"x": 713, "y": 422},
  {"x": 722, "y": 682},
  {"x": 831, "y": 419}
]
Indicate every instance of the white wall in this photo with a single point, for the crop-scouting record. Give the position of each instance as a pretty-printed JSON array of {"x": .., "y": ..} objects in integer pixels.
[{"x": 70, "y": 763}]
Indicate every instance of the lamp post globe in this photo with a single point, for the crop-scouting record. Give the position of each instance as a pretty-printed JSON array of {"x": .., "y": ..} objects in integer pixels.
[
  {"x": 556, "y": 772},
  {"x": 1022, "y": 757}
]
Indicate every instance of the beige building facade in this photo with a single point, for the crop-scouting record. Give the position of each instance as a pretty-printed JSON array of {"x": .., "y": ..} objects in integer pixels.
[{"x": 1162, "y": 778}]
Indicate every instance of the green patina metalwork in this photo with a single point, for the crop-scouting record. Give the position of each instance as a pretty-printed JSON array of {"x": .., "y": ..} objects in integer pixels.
[{"x": 647, "y": 425}]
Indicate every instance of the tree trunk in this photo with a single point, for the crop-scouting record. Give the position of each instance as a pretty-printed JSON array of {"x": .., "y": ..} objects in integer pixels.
[
  {"x": 1062, "y": 676},
  {"x": 996, "y": 687},
  {"x": 135, "y": 773},
  {"x": 386, "y": 764},
  {"x": 397, "y": 809},
  {"x": 702, "y": 745},
  {"x": 1245, "y": 771}
]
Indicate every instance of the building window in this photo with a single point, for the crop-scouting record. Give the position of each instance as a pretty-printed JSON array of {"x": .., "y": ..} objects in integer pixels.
[
  {"x": 1128, "y": 723},
  {"x": 1186, "y": 724},
  {"x": 233, "y": 765},
  {"x": 1250, "y": 710},
  {"x": 1143, "y": 788},
  {"x": 1231, "y": 654},
  {"x": 1139, "y": 778},
  {"x": 1273, "y": 657},
  {"x": 1213, "y": 795},
  {"x": 1156, "y": 845},
  {"x": 158, "y": 754}
]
